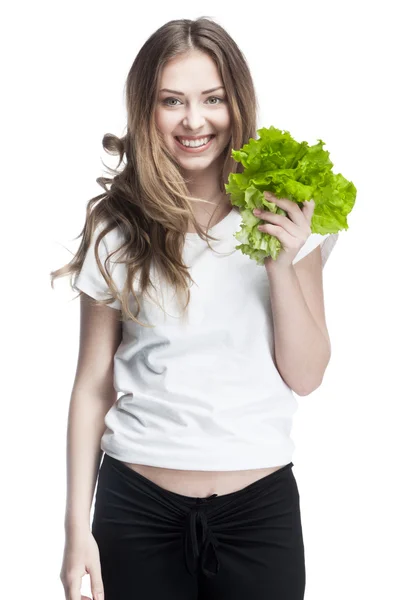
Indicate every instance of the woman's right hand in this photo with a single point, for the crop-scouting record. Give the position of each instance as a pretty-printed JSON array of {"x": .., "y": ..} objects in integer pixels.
[{"x": 81, "y": 556}]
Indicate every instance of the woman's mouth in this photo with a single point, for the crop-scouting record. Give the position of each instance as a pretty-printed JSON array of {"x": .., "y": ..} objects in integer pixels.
[{"x": 195, "y": 146}]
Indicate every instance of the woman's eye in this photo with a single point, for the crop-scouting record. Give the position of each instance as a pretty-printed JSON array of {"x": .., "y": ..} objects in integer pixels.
[
  {"x": 167, "y": 100},
  {"x": 216, "y": 98}
]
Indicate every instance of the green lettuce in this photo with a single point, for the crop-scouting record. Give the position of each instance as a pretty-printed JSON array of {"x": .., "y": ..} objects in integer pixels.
[{"x": 277, "y": 163}]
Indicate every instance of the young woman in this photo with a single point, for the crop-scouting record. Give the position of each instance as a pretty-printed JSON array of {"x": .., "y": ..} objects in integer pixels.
[{"x": 196, "y": 498}]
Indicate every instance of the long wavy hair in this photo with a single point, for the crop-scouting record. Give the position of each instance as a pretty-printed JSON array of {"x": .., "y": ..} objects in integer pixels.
[{"x": 147, "y": 198}]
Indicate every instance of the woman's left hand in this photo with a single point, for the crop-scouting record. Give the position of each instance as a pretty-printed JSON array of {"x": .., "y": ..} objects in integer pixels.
[{"x": 292, "y": 230}]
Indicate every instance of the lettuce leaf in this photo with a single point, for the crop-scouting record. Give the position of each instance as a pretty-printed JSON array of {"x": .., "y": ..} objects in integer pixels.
[{"x": 277, "y": 163}]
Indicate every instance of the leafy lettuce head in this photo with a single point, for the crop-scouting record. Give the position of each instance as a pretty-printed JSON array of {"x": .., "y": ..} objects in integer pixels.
[{"x": 275, "y": 162}]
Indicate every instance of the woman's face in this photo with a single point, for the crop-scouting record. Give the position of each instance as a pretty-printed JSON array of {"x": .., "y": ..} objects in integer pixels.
[{"x": 190, "y": 110}]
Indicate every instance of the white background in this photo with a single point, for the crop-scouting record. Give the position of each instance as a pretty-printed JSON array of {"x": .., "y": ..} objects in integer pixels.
[{"x": 322, "y": 70}]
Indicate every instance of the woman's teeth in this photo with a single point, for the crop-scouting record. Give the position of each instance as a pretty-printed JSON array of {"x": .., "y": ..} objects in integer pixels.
[{"x": 195, "y": 143}]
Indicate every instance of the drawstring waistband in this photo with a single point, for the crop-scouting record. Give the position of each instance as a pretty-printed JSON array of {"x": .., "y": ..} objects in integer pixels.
[{"x": 208, "y": 541}]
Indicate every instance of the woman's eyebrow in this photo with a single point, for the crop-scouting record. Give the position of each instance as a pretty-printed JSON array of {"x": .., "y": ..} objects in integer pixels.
[{"x": 182, "y": 94}]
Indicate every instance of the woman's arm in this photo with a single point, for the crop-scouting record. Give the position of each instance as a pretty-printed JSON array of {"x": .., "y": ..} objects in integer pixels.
[
  {"x": 92, "y": 396},
  {"x": 85, "y": 428},
  {"x": 302, "y": 346}
]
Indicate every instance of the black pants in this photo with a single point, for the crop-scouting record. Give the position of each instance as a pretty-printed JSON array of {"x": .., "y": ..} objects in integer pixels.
[{"x": 156, "y": 544}]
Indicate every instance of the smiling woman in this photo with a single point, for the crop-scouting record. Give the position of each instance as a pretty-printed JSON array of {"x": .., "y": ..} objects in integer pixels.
[
  {"x": 196, "y": 438},
  {"x": 194, "y": 117}
]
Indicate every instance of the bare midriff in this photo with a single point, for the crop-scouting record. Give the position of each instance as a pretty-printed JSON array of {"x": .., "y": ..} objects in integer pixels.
[{"x": 198, "y": 484}]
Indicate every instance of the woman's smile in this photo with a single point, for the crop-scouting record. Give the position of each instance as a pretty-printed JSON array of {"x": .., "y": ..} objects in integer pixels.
[{"x": 192, "y": 148}]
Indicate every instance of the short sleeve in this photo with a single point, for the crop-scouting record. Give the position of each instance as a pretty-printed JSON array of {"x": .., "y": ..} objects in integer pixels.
[
  {"x": 327, "y": 243},
  {"x": 90, "y": 280}
]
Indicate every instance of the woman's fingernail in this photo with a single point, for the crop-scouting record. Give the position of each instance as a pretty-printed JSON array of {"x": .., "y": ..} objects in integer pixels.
[{"x": 257, "y": 212}]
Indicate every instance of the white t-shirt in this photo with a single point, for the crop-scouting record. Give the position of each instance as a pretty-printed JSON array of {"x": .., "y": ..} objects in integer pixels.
[{"x": 202, "y": 393}]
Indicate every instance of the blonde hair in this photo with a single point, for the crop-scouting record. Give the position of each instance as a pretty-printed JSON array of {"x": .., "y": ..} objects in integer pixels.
[{"x": 148, "y": 199}]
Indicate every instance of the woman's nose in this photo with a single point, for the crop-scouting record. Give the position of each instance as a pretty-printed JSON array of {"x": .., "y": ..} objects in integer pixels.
[{"x": 194, "y": 119}]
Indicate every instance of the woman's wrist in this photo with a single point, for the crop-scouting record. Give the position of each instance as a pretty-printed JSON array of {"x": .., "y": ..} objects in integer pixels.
[{"x": 76, "y": 526}]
